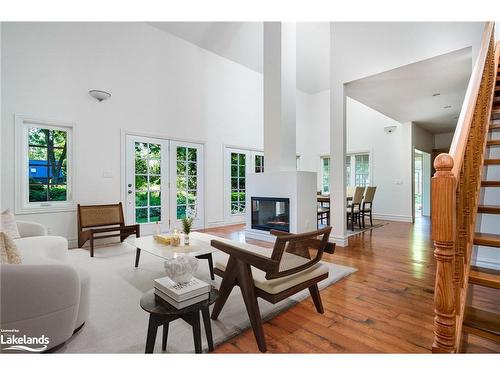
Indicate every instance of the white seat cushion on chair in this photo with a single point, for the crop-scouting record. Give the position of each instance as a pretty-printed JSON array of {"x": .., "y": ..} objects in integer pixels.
[{"x": 288, "y": 261}]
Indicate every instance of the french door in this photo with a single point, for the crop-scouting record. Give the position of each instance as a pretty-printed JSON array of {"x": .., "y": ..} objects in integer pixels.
[{"x": 164, "y": 183}]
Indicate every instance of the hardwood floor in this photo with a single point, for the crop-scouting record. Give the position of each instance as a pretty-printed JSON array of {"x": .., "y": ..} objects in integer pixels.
[{"x": 384, "y": 307}]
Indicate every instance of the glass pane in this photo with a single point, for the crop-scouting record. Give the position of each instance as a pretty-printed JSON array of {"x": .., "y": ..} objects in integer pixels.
[
  {"x": 191, "y": 197},
  {"x": 141, "y": 199},
  {"x": 242, "y": 184},
  {"x": 181, "y": 197},
  {"x": 234, "y": 158},
  {"x": 181, "y": 183},
  {"x": 192, "y": 185},
  {"x": 141, "y": 183},
  {"x": 154, "y": 183},
  {"x": 242, "y": 206},
  {"x": 141, "y": 150},
  {"x": 154, "y": 214},
  {"x": 192, "y": 154},
  {"x": 154, "y": 151},
  {"x": 38, "y": 153},
  {"x": 181, "y": 153},
  {"x": 242, "y": 159},
  {"x": 234, "y": 183},
  {"x": 192, "y": 210},
  {"x": 192, "y": 168},
  {"x": 140, "y": 166},
  {"x": 155, "y": 198},
  {"x": 58, "y": 138},
  {"x": 154, "y": 167},
  {"x": 37, "y": 136},
  {"x": 234, "y": 208},
  {"x": 57, "y": 193},
  {"x": 234, "y": 171},
  {"x": 234, "y": 196},
  {"x": 37, "y": 192},
  {"x": 181, "y": 167},
  {"x": 181, "y": 212},
  {"x": 242, "y": 170},
  {"x": 141, "y": 215}
]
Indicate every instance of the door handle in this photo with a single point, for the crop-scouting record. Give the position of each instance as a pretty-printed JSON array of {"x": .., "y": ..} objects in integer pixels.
[{"x": 130, "y": 192}]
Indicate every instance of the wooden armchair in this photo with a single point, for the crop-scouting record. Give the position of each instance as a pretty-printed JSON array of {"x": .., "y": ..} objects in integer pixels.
[
  {"x": 292, "y": 266},
  {"x": 107, "y": 218}
]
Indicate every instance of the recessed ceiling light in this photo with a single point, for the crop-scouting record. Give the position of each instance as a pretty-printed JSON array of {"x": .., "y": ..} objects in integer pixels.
[
  {"x": 447, "y": 106},
  {"x": 436, "y": 94}
]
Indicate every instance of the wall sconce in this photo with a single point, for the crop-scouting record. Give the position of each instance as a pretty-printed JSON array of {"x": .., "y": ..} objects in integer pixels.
[
  {"x": 100, "y": 95},
  {"x": 390, "y": 129}
]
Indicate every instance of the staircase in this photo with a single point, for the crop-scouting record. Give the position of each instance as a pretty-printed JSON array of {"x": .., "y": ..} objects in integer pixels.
[
  {"x": 476, "y": 321},
  {"x": 458, "y": 186}
]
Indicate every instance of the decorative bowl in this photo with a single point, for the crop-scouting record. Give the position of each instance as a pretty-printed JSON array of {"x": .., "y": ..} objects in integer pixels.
[{"x": 181, "y": 268}]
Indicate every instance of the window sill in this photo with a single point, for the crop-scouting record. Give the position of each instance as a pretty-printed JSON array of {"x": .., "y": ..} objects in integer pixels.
[{"x": 70, "y": 207}]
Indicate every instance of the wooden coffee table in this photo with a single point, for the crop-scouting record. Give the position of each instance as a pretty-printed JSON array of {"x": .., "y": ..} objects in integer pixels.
[
  {"x": 162, "y": 313},
  {"x": 197, "y": 248}
]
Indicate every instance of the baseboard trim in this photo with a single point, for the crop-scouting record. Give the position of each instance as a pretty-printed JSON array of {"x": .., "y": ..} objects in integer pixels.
[
  {"x": 340, "y": 241},
  {"x": 259, "y": 235},
  {"x": 389, "y": 217}
]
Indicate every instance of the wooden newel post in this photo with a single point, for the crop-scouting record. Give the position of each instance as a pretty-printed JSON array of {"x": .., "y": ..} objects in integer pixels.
[{"x": 443, "y": 235}]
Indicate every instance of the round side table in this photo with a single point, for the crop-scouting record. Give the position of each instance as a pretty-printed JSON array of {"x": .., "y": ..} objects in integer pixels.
[{"x": 161, "y": 313}]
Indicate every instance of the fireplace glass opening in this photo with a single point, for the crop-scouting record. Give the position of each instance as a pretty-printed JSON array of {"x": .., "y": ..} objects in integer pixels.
[{"x": 271, "y": 213}]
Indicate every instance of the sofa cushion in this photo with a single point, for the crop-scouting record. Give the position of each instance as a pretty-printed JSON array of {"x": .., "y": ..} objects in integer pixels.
[
  {"x": 8, "y": 250},
  {"x": 8, "y": 224}
]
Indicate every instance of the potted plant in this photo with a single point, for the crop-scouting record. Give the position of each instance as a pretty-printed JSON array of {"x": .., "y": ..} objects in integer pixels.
[{"x": 187, "y": 223}]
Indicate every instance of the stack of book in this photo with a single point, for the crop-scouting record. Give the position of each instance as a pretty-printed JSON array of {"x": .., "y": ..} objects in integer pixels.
[{"x": 181, "y": 295}]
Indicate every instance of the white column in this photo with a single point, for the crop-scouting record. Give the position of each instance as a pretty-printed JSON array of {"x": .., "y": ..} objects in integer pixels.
[
  {"x": 337, "y": 149},
  {"x": 279, "y": 96}
]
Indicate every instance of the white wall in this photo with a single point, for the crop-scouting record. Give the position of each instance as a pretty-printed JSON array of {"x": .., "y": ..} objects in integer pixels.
[
  {"x": 422, "y": 139},
  {"x": 160, "y": 85},
  {"x": 443, "y": 141},
  {"x": 390, "y": 153}
]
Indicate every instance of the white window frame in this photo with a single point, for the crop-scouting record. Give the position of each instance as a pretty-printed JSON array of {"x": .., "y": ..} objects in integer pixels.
[
  {"x": 249, "y": 168},
  {"x": 352, "y": 179},
  {"x": 321, "y": 172},
  {"x": 23, "y": 205}
]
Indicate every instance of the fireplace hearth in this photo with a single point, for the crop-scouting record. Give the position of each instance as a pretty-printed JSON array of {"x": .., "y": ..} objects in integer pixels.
[{"x": 271, "y": 213}]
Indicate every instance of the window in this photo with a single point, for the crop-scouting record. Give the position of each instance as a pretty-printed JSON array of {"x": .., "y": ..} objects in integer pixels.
[
  {"x": 259, "y": 163},
  {"x": 45, "y": 173},
  {"x": 362, "y": 170},
  {"x": 187, "y": 182},
  {"x": 357, "y": 171},
  {"x": 325, "y": 174},
  {"x": 238, "y": 161},
  {"x": 147, "y": 182}
]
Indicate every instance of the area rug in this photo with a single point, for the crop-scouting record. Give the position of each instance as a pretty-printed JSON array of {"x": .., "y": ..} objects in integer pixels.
[
  {"x": 117, "y": 324},
  {"x": 366, "y": 229}
]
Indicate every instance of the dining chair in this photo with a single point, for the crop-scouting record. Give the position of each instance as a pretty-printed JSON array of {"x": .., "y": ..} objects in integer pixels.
[
  {"x": 366, "y": 207},
  {"x": 354, "y": 210}
]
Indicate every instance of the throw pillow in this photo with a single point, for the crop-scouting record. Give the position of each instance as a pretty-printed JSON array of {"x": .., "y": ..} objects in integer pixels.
[
  {"x": 8, "y": 250},
  {"x": 8, "y": 224}
]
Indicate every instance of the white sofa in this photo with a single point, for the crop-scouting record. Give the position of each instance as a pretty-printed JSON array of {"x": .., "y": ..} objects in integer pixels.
[{"x": 46, "y": 294}]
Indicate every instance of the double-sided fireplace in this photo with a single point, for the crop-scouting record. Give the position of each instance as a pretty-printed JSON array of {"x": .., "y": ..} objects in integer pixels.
[{"x": 271, "y": 213}]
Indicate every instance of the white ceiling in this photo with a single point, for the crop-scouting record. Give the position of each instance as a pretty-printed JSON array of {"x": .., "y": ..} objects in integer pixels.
[
  {"x": 242, "y": 42},
  {"x": 447, "y": 74}
]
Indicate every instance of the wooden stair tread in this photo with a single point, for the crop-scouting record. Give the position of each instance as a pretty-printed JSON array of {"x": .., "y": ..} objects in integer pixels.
[
  {"x": 495, "y": 143},
  {"x": 490, "y": 183},
  {"x": 489, "y": 209},
  {"x": 487, "y": 239},
  {"x": 494, "y": 127},
  {"x": 491, "y": 161},
  {"x": 482, "y": 323},
  {"x": 485, "y": 277}
]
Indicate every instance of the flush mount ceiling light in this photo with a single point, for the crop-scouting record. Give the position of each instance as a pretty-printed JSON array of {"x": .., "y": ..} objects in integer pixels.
[
  {"x": 100, "y": 95},
  {"x": 436, "y": 94},
  {"x": 447, "y": 106}
]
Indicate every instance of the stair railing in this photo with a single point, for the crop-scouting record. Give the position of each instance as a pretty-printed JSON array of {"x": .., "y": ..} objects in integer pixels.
[{"x": 455, "y": 196}]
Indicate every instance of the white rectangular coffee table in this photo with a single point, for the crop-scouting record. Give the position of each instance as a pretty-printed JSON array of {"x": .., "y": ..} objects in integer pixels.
[{"x": 199, "y": 247}]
